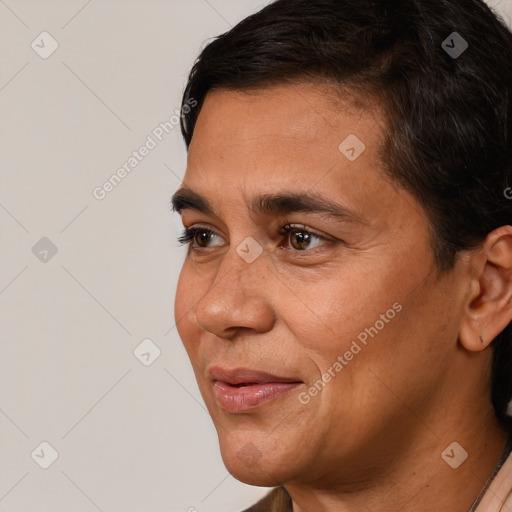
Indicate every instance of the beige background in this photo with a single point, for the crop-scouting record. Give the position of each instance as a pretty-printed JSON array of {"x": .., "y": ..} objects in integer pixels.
[{"x": 129, "y": 436}]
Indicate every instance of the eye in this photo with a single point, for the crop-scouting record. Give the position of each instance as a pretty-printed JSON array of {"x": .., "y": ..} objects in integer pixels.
[
  {"x": 195, "y": 234},
  {"x": 301, "y": 237}
]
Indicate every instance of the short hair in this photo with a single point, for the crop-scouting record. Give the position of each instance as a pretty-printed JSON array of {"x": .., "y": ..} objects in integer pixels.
[{"x": 447, "y": 107}]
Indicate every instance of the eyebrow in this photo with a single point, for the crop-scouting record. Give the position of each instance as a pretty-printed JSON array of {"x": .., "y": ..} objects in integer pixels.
[{"x": 270, "y": 204}]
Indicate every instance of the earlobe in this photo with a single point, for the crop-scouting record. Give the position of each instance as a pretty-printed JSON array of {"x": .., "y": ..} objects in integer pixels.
[{"x": 488, "y": 307}]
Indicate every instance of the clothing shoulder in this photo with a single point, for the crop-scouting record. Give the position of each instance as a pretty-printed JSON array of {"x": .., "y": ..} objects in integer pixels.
[
  {"x": 498, "y": 496},
  {"x": 277, "y": 500}
]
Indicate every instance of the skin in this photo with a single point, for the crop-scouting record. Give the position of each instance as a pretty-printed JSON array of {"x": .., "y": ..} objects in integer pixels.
[{"x": 372, "y": 438}]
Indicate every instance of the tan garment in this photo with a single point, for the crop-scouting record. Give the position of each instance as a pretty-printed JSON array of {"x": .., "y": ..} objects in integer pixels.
[
  {"x": 498, "y": 497},
  {"x": 277, "y": 500}
]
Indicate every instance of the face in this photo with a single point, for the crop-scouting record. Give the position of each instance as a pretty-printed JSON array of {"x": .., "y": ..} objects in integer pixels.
[{"x": 318, "y": 336}]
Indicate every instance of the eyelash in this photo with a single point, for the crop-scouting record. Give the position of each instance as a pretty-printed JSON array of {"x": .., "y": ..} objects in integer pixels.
[{"x": 188, "y": 235}]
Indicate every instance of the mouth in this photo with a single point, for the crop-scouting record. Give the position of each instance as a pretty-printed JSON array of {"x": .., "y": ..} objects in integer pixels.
[{"x": 242, "y": 390}]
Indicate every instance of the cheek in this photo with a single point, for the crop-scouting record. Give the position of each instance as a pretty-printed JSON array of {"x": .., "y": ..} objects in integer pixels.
[
  {"x": 337, "y": 315},
  {"x": 395, "y": 358},
  {"x": 367, "y": 343},
  {"x": 188, "y": 292}
]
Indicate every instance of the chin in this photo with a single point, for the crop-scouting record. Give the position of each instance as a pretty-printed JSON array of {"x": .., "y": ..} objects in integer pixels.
[
  {"x": 254, "y": 477},
  {"x": 254, "y": 465},
  {"x": 258, "y": 474}
]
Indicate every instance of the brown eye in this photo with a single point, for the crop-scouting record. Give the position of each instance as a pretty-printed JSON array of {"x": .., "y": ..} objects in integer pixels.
[
  {"x": 302, "y": 238},
  {"x": 202, "y": 236},
  {"x": 198, "y": 237}
]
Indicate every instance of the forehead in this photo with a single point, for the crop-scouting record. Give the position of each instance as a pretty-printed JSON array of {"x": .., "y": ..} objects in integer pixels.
[
  {"x": 306, "y": 112},
  {"x": 284, "y": 134}
]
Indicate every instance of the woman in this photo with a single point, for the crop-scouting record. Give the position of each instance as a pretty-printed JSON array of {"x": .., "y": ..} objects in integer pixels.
[{"x": 346, "y": 296}]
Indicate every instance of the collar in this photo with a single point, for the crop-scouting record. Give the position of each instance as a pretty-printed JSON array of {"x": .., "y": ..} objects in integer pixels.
[{"x": 497, "y": 495}]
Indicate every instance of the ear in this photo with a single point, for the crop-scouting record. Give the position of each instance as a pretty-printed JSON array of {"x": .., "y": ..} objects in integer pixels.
[{"x": 488, "y": 307}]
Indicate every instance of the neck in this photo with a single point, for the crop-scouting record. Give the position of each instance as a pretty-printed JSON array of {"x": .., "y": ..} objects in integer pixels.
[{"x": 421, "y": 481}]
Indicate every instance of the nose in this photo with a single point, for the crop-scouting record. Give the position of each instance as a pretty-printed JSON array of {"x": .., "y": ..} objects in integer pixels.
[{"x": 238, "y": 298}]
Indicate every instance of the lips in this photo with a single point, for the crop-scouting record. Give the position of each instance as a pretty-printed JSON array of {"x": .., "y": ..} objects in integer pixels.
[{"x": 241, "y": 389}]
